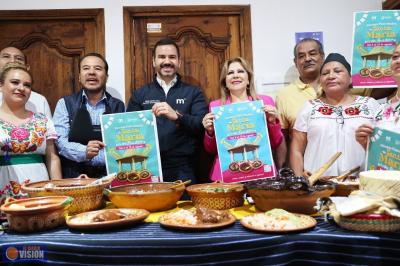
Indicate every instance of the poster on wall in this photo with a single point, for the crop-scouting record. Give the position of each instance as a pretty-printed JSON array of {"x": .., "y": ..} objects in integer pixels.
[
  {"x": 242, "y": 142},
  {"x": 383, "y": 150},
  {"x": 132, "y": 149},
  {"x": 375, "y": 34},
  {"x": 316, "y": 35}
]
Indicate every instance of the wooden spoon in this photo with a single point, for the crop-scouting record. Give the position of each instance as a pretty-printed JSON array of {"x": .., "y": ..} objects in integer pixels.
[
  {"x": 180, "y": 184},
  {"x": 343, "y": 176},
  {"x": 315, "y": 176}
]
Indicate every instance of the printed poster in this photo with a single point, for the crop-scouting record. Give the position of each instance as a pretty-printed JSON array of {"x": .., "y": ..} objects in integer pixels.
[
  {"x": 375, "y": 34},
  {"x": 132, "y": 149},
  {"x": 383, "y": 150},
  {"x": 242, "y": 141},
  {"x": 316, "y": 35}
]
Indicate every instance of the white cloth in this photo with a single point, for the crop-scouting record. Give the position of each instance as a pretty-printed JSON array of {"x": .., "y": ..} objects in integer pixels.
[
  {"x": 360, "y": 201},
  {"x": 331, "y": 129},
  {"x": 37, "y": 103}
]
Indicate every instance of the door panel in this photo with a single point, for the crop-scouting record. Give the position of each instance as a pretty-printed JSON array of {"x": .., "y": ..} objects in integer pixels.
[
  {"x": 206, "y": 36},
  {"x": 53, "y": 41}
]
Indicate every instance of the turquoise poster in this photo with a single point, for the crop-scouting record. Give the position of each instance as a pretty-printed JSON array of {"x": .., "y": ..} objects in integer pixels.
[
  {"x": 132, "y": 149},
  {"x": 375, "y": 34},
  {"x": 242, "y": 141},
  {"x": 383, "y": 150}
]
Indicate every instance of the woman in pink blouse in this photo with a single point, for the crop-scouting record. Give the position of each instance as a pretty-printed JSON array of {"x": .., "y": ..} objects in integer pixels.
[{"x": 237, "y": 85}]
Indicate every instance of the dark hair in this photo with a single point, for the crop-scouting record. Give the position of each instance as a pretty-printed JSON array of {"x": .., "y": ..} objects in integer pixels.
[
  {"x": 13, "y": 66},
  {"x": 165, "y": 41},
  {"x": 319, "y": 44},
  {"x": 95, "y": 55}
]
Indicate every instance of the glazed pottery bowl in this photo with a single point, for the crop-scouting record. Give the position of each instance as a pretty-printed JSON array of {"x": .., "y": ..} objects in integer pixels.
[
  {"x": 295, "y": 197},
  {"x": 149, "y": 196},
  {"x": 36, "y": 214}
]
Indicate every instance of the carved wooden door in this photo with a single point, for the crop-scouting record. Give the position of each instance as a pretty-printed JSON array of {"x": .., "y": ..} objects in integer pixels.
[
  {"x": 53, "y": 41},
  {"x": 206, "y": 36}
]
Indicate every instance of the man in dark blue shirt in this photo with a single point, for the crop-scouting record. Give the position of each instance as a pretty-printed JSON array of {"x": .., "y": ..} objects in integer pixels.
[{"x": 179, "y": 107}]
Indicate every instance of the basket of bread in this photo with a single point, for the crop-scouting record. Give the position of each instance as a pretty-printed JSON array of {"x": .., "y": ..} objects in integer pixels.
[{"x": 373, "y": 208}]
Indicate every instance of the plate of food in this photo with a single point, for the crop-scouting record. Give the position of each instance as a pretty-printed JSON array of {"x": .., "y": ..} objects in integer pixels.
[
  {"x": 107, "y": 218},
  {"x": 278, "y": 220},
  {"x": 197, "y": 219}
]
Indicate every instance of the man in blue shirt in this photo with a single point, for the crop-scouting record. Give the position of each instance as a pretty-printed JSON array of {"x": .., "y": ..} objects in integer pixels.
[
  {"x": 179, "y": 107},
  {"x": 77, "y": 120}
]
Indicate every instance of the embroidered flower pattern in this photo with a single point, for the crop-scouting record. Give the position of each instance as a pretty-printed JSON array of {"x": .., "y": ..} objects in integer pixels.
[
  {"x": 387, "y": 112},
  {"x": 325, "y": 110},
  {"x": 19, "y": 133},
  {"x": 352, "y": 111},
  {"x": 27, "y": 137},
  {"x": 13, "y": 190}
]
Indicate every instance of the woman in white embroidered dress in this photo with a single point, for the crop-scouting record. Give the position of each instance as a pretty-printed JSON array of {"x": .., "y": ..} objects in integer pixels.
[
  {"x": 27, "y": 151},
  {"x": 389, "y": 115},
  {"x": 327, "y": 125}
]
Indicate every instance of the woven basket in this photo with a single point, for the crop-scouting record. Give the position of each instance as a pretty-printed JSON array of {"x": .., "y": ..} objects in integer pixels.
[
  {"x": 87, "y": 196},
  {"x": 217, "y": 200},
  {"x": 369, "y": 222}
]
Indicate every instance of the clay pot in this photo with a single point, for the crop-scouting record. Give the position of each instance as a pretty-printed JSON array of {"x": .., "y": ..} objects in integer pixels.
[
  {"x": 149, "y": 196},
  {"x": 36, "y": 214}
]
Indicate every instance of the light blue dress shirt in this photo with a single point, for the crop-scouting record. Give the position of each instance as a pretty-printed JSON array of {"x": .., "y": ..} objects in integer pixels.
[{"x": 73, "y": 150}]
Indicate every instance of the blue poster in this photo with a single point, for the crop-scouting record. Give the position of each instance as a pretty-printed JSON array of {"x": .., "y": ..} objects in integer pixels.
[
  {"x": 375, "y": 34},
  {"x": 383, "y": 150},
  {"x": 132, "y": 149},
  {"x": 316, "y": 35},
  {"x": 242, "y": 141}
]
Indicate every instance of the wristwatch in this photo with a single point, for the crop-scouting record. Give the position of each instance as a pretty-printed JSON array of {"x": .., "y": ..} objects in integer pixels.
[{"x": 179, "y": 116}]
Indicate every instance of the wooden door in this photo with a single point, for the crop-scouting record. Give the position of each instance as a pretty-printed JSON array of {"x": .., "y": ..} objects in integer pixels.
[
  {"x": 391, "y": 4},
  {"x": 206, "y": 36},
  {"x": 53, "y": 41}
]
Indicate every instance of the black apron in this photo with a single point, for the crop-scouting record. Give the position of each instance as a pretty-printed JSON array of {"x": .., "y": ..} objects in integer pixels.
[{"x": 82, "y": 131}]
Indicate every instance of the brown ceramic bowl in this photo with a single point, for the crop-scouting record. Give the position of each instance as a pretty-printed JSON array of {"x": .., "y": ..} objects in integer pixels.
[
  {"x": 36, "y": 214},
  {"x": 344, "y": 188},
  {"x": 87, "y": 196},
  {"x": 218, "y": 196},
  {"x": 149, "y": 196},
  {"x": 297, "y": 201}
]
